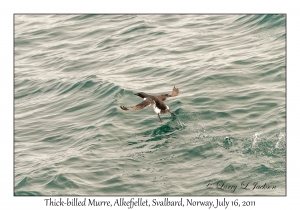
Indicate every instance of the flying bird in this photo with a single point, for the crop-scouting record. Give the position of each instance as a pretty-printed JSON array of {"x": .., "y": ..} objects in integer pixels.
[{"x": 157, "y": 102}]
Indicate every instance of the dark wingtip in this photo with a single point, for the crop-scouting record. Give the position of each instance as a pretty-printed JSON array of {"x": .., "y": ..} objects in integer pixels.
[{"x": 123, "y": 107}]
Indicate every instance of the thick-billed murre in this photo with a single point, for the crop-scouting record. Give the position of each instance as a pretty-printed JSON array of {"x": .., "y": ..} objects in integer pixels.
[{"x": 159, "y": 106}]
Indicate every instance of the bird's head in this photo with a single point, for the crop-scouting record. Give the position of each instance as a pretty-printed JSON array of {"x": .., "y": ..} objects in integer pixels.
[{"x": 141, "y": 94}]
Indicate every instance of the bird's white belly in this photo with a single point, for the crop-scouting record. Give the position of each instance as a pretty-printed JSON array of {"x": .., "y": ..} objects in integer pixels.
[{"x": 157, "y": 110}]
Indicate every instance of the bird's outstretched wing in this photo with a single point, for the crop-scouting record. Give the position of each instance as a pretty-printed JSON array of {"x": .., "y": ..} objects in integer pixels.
[
  {"x": 140, "y": 106},
  {"x": 174, "y": 93}
]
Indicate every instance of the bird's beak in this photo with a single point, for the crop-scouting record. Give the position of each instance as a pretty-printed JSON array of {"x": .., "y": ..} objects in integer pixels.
[{"x": 135, "y": 94}]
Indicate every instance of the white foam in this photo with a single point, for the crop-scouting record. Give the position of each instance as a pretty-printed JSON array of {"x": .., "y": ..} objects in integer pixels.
[
  {"x": 256, "y": 137},
  {"x": 281, "y": 137}
]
